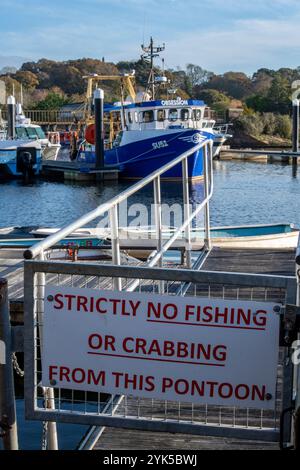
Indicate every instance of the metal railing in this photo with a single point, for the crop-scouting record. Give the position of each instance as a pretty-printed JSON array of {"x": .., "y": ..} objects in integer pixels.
[
  {"x": 130, "y": 412},
  {"x": 48, "y": 116},
  {"x": 112, "y": 206},
  {"x": 135, "y": 413},
  {"x": 223, "y": 128},
  {"x": 156, "y": 257}
]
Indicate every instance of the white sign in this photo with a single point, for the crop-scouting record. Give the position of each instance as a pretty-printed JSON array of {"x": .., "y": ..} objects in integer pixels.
[{"x": 189, "y": 349}]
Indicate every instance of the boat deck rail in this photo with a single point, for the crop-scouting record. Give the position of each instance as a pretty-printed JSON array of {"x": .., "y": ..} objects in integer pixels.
[{"x": 223, "y": 128}]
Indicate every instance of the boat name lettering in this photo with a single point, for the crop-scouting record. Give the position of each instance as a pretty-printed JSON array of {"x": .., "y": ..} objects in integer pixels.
[
  {"x": 178, "y": 102},
  {"x": 160, "y": 144}
]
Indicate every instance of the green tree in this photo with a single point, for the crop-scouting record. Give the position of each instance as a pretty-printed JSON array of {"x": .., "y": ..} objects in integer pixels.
[
  {"x": 197, "y": 75},
  {"x": 279, "y": 95},
  {"x": 52, "y": 101},
  {"x": 258, "y": 103},
  {"x": 213, "y": 98},
  {"x": 28, "y": 79},
  {"x": 251, "y": 124},
  {"x": 283, "y": 126},
  {"x": 262, "y": 81},
  {"x": 235, "y": 84}
]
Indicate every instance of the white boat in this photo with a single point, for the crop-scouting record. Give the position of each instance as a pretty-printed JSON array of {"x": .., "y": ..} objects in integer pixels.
[
  {"x": 141, "y": 241},
  {"x": 20, "y": 158},
  {"x": 26, "y": 132}
]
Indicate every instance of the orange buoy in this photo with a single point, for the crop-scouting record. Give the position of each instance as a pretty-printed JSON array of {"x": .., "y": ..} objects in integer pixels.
[{"x": 90, "y": 134}]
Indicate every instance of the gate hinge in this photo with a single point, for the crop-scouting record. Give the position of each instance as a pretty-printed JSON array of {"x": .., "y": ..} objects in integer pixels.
[{"x": 290, "y": 325}]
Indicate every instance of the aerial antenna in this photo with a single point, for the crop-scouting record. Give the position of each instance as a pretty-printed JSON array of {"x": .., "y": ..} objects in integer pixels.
[
  {"x": 144, "y": 26},
  {"x": 149, "y": 54}
]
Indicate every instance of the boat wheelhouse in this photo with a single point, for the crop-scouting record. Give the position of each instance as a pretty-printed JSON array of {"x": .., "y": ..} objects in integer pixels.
[{"x": 144, "y": 135}]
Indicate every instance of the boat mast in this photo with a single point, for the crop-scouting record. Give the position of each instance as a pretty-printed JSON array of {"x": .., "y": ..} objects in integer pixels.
[{"x": 150, "y": 52}]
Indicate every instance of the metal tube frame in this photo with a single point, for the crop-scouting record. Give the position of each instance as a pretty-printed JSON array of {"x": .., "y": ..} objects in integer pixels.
[
  {"x": 159, "y": 274},
  {"x": 115, "y": 240},
  {"x": 7, "y": 390},
  {"x": 52, "y": 240},
  {"x": 52, "y": 441},
  {"x": 207, "y": 240},
  {"x": 296, "y": 437},
  {"x": 158, "y": 224},
  {"x": 186, "y": 202}
]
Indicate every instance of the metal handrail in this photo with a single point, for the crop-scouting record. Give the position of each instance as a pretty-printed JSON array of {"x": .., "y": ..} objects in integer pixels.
[{"x": 112, "y": 206}]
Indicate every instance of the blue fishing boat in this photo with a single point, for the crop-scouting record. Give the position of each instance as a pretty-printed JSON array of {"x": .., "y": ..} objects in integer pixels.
[
  {"x": 138, "y": 152},
  {"x": 144, "y": 133}
]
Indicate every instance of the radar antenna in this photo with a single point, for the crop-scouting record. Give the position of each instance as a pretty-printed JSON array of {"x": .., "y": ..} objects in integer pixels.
[{"x": 150, "y": 52}]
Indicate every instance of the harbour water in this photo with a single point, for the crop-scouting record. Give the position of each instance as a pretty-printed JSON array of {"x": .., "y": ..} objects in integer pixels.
[{"x": 244, "y": 193}]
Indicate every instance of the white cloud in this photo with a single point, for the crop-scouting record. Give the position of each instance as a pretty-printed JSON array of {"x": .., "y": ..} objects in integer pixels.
[
  {"x": 248, "y": 45},
  {"x": 216, "y": 34}
]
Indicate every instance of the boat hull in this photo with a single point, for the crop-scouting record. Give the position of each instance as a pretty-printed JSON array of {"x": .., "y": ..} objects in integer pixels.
[
  {"x": 13, "y": 161},
  {"x": 139, "y": 154}
]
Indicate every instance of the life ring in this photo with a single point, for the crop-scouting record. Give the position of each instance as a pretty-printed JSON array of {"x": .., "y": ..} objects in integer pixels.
[{"x": 90, "y": 134}]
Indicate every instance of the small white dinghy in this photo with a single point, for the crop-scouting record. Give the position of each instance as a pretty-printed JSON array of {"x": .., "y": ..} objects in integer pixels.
[{"x": 271, "y": 236}]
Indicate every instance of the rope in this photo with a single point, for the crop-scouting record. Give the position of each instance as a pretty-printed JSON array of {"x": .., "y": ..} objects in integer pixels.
[{"x": 16, "y": 366}]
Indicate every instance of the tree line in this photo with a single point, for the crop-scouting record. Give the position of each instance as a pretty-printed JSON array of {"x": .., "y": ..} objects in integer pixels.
[{"x": 48, "y": 84}]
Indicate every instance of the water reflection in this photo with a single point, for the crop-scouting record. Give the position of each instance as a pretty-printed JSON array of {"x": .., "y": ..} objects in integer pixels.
[{"x": 243, "y": 194}]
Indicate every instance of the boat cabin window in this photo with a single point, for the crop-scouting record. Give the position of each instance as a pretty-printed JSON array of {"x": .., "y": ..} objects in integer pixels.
[
  {"x": 197, "y": 114},
  {"x": 161, "y": 115},
  {"x": 207, "y": 113},
  {"x": 40, "y": 133},
  {"x": 30, "y": 133},
  {"x": 184, "y": 114},
  {"x": 129, "y": 115},
  {"x": 148, "y": 116},
  {"x": 136, "y": 117},
  {"x": 173, "y": 115},
  {"x": 21, "y": 133}
]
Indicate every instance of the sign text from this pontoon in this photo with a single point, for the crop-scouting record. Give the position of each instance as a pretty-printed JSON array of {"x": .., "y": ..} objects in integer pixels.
[{"x": 189, "y": 349}]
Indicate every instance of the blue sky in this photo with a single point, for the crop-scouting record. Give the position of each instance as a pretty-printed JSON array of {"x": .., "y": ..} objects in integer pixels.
[{"x": 219, "y": 35}]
